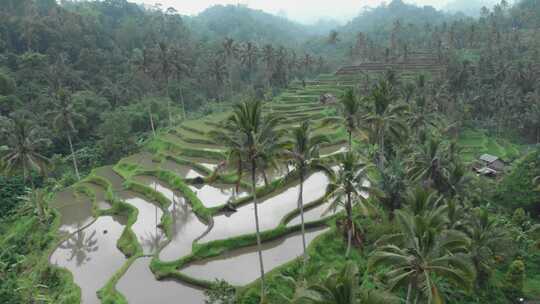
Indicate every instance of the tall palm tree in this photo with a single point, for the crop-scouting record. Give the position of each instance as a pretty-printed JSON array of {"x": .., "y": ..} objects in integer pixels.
[
  {"x": 430, "y": 163},
  {"x": 386, "y": 119},
  {"x": 269, "y": 58},
  {"x": 252, "y": 138},
  {"x": 165, "y": 69},
  {"x": 421, "y": 251},
  {"x": 22, "y": 149},
  {"x": 341, "y": 287},
  {"x": 349, "y": 189},
  {"x": 303, "y": 152},
  {"x": 64, "y": 117},
  {"x": 21, "y": 153},
  {"x": 248, "y": 55},
  {"x": 487, "y": 238},
  {"x": 350, "y": 114}
]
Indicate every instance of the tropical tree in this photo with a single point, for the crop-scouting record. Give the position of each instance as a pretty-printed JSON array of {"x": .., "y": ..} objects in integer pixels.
[
  {"x": 430, "y": 162},
  {"x": 343, "y": 287},
  {"x": 419, "y": 252},
  {"x": 393, "y": 183},
  {"x": 22, "y": 149},
  {"x": 386, "y": 119},
  {"x": 303, "y": 152},
  {"x": 63, "y": 119},
  {"x": 252, "y": 138},
  {"x": 248, "y": 55},
  {"x": 350, "y": 188},
  {"x": 350, "y": 114},
  {"x": 487, "y": 239}
]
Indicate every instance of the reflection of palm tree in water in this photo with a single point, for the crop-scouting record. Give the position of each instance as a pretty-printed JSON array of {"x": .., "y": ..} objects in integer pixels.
[
  {"x": 180, "y": 214},
  {"x": 80, "y": 244},
  {"x": 153, "y": 240}
]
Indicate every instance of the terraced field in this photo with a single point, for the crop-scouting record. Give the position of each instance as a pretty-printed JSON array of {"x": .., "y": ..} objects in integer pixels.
[
  {"x": 152, "y": 228},
  {"x": 474, "y": 143}
]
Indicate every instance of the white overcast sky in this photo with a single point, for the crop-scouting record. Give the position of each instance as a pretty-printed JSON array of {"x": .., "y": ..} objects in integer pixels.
[{"x": 305, "y": 11}]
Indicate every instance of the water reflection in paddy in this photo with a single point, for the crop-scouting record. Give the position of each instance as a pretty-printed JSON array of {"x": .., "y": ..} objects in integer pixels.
[
  {"x": 139, "y": 286},
  {"x": 236, "y": 266},
  {"x": 92, "y": 256},
  {"x": 272, "y": 210},
  {"x": 313, "y": 214},
  {"x": 216, "y": 195},
  {"x": 186, "y": 226},
  {"x": 150, "y": 236},
  {"x": 75, "y": 210}
]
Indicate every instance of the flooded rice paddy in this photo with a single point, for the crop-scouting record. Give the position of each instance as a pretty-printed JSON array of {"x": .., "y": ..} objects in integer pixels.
[
  {"x": 91, "y": 252},
  {"x": 92, "y": 256},
  {"x": 231, "y": 266},
  {"x": 273, "y": 208},
  {"x": 139, "y": 286}
]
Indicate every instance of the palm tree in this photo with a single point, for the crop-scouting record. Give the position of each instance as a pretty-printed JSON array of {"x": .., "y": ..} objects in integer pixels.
[
  {"x": 269, "y": 58},
  {"x": 340, "y": 288},
  {"x": 350, "y": 110},
  {"x": 248, "y": 55},
  {"x": 304, "y": 152},
  {"x": 165, "y": 70},
  {"x": 64, "y": 116},
  {"x": 251, "y": 139},
  {"x": 487, "y": 236},
  {"x": 385, "y": 119},
  {"x": 350, "y": 186},
  {"x": 421, "y": 251},
  {"x": 430, "y": 163},
  {"x": 393, "y": 183},
  {"x": 21, "y": 152},
  {"x": 217, "y": 69}
]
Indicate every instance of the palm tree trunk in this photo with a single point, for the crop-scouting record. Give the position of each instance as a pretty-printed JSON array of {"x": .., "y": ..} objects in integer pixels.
[
  {"x": 182, "y": 101},
  {"x": 409, "y": 290},
  {"x": 168, "y": 103},
  {"x": 381, "y": 151},
  {"x": 349, "y": 225},
  {"x": 350, "y": 140},
  {"x": 301, "y": 206},
  {"x": 151, "y": 122},
  {"x": 257, "y": 228},
  {"x": 73, "y": 157}
]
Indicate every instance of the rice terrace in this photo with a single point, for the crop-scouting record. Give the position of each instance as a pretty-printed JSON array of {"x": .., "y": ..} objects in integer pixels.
[{"x": 154, "y": 154}]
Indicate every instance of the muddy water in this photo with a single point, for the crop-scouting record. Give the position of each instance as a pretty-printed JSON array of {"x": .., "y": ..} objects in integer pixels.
[
  {"x": 145, "y": 160},
  {"x": 150, "y": 236},
  {"x": 139, "y": 286},
  {"x": 240, "y": 267},
  {"x": 99, "y": 192},
  {"x": 91, "y": 256},
  {"x": 216, "y": 195},
  {"x": 180, "y": 170},
  {"x": 75, "y": 210},
  {"x": 186, "y": 226},
  {"x": 108, "y": 173},
  {"x": 271, "y": 210}
]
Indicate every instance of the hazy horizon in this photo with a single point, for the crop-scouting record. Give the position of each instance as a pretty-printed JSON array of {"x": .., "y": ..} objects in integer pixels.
[{"x": 302, "y": 11}]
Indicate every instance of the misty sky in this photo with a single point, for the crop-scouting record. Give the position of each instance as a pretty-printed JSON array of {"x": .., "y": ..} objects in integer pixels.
[{"x": 304, "y": 11}]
